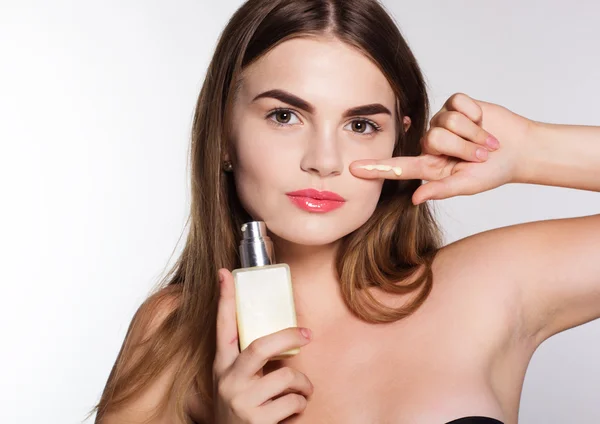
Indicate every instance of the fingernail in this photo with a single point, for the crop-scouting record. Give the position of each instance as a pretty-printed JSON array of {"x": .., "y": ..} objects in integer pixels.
[
  {"x": 482, "y": 154},
  {"x": 492, "y": 142},
  {"x": 306, "y": 333}
]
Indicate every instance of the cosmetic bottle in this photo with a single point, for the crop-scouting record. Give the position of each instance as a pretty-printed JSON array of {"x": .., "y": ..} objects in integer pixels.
[{"x": 263, "y": 289}]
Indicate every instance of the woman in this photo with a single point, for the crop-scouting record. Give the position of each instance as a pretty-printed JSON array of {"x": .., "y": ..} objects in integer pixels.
[{"x": 394, "y": 328}]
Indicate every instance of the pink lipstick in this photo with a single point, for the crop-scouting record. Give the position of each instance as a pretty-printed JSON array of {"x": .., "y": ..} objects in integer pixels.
[{"x": 312, "y": 200}]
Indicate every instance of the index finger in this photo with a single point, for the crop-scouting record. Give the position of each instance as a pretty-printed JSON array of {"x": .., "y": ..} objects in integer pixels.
[
  {"x": 396, "y": 168},
  {"x": 260, "y": 351}
]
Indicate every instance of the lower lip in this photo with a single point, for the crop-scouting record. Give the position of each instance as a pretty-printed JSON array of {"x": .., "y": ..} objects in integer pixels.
[{"x": 315, "y": 205}]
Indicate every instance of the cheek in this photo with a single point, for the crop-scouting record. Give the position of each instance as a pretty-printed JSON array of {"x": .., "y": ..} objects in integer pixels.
[
  {"x": 380, "y": 148},
  {"x": 367, "y": 193},
  {"x": 259, "y": 173}
]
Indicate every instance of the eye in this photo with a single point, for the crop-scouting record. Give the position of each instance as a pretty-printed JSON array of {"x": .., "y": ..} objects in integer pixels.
[
  {"x": 282, "y": 117},
  {"x": 360, "y": 126}
]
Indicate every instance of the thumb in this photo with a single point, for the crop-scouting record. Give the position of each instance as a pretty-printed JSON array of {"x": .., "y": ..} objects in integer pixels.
[{"x": 227, "y": 333}]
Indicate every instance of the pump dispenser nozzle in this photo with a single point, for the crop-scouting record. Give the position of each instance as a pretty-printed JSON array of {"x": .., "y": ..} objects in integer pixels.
[{"x": 256, "y": 247}]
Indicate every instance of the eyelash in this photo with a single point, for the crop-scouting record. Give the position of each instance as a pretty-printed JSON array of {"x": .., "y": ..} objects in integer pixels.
[{"x": 376, "y": 127}]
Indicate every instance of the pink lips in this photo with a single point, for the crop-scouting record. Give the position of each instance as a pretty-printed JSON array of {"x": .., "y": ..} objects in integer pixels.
[{"x": 312, "y": 200}]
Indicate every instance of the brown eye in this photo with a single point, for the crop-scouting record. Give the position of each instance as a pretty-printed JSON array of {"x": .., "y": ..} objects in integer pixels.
[
  {"x": 359, "y": 126},
  {"x": 283, "y": 117}
]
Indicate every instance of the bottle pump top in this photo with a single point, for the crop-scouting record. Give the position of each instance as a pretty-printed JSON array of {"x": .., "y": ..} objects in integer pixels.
[{"x": 256, "y": 248}]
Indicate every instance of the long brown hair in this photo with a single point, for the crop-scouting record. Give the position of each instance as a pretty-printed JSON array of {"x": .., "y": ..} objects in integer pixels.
[{"x": 395, "y": 245}]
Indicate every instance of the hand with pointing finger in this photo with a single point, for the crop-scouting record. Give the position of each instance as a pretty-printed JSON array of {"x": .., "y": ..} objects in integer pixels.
[{"x": 470, "y": 147}]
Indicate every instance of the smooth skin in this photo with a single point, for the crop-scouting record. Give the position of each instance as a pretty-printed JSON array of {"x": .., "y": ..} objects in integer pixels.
[
  {"x": 496, "y": 295},
  {"x": 471, "y": 147}
]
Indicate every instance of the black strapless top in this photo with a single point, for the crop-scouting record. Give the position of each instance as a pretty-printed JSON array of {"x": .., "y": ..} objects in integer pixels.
[{"x": 475, "y": 420}]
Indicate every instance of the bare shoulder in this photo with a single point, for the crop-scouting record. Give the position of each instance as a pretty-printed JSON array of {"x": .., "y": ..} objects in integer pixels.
[
  {"x": 161, "y": 305},
  {"x": 157, "y": 308},
  {"x": 150, "y": 316},
  {"x": 146, "y": 321},
  {"x": 476, "y": 261}
]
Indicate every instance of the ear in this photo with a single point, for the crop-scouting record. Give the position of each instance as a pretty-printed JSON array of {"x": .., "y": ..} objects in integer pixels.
[{"x": 406, "y": 123}]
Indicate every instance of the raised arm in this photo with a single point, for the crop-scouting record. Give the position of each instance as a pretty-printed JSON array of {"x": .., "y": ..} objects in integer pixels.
[
  {"x": 552, "y": 267},
  {"x": 562, "y": 156},
  {"x": 555, "y": 263}
]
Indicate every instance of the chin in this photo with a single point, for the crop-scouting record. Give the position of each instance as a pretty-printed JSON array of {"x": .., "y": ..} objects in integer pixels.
[{"x": 314, "y": 229}]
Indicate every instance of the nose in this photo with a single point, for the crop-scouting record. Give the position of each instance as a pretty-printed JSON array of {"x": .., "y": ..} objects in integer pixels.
[{"x": 322, "y": 155}]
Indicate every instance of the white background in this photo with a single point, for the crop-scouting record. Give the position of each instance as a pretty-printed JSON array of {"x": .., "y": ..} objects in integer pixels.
[{"x": 96, "y": 103}]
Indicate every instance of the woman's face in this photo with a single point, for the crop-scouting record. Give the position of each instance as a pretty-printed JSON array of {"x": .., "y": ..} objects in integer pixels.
[{"x": 311, "y": 140}]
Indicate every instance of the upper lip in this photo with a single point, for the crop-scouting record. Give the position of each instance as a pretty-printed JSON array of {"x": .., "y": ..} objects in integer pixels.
[{"x": 316, "y": 194}]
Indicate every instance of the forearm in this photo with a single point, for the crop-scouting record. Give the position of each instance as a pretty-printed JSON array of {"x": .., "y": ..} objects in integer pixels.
[{"x": 562, "y": 156}]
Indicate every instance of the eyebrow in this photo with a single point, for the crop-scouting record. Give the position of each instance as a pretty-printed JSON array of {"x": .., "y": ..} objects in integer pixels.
[{"x": 289, "y": 98}]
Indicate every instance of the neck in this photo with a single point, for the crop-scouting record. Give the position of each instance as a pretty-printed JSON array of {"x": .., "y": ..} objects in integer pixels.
[{"x": 315, "y": 281}]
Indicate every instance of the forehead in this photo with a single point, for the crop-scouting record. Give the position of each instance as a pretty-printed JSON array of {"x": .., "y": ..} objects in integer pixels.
[{"x": 320, "y": 70}]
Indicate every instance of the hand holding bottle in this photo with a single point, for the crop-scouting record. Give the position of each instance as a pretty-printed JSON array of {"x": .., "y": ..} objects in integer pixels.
[{"x": 242, "y": 393}]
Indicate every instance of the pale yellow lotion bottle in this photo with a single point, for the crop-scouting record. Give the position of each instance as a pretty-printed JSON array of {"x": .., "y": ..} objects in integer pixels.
[{"x": 263, "y": 289}]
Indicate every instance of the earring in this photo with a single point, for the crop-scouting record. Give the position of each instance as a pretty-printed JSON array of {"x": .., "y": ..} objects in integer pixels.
[{"x": 227, "y": 166}]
